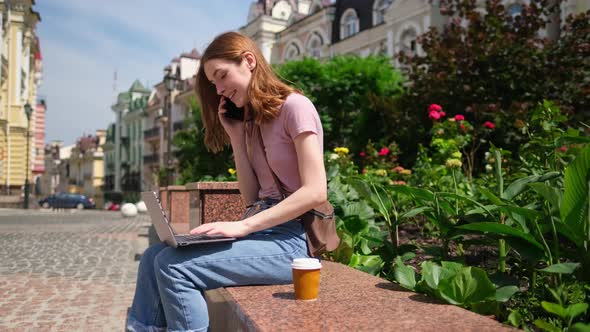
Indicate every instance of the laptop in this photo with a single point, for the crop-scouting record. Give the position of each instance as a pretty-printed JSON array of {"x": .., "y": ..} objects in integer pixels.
[{"x": 165, "y": 231}]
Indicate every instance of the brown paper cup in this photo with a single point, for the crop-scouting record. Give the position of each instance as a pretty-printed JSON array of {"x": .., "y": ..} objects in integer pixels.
[{"x": 306, "y": 278}]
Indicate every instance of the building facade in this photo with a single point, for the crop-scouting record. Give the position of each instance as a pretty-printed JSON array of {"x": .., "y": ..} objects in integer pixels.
[
  {"x": 128, "y": 138},
  {"x": 20, "y": 70},
  {"x": 86, "y": 167},
  {"x": 167, "y": 108},
  {"x": 291, "y": 30}
]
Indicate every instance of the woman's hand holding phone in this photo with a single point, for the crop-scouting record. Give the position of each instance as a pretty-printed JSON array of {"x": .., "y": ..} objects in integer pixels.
[{"x": 233, "y": 128}]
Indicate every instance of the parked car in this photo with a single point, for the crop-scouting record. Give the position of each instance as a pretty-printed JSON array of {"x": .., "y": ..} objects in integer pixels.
[{"x": 67, "y": 201}]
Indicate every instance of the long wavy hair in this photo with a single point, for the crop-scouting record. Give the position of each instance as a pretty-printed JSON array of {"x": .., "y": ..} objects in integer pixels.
[{"x": 266, "y": 92}]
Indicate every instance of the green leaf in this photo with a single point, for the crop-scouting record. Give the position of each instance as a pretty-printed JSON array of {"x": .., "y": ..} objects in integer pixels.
[
  {"x": 504, "y": 294},
  {"x": 404, "y": 274},
  {"x": 515, "y": 318},
  {"x": 546, "y": 326},
  {"x": 580, "y": 327},
  {"x": 361, "y": 209},
  {"x": 355, "y": 224},
  {"x": 415, "y": 212},
  {"x": 561, "y": 268},
  {"x": 466, "y": 199},
  {"x": 574, "y": 206},
  {"x": 554, "y": 308},
  {"x": 502, "y": 230},
  {"x": 493, "y": 198},
  {"x": 470, "y": 285},
  {"x": 518, "y": 186},
  {"x": 419, "y": 193},
  {"x": 576, "y": 309},
  {"x": 431, "y": 274},
  {"x": 550, "y": 194}
]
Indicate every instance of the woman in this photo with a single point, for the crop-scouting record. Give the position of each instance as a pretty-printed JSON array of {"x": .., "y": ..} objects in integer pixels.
[{"x": 278, "y": 120}]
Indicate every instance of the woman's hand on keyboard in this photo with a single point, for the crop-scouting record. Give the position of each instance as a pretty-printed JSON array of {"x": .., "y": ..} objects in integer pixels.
[{"x": 222, "y": 228}]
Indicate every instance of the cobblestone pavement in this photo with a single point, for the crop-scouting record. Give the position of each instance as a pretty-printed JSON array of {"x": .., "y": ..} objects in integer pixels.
[{"x": 68, "y": 270}]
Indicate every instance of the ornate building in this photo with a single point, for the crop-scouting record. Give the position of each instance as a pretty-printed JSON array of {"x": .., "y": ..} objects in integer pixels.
[
  {"x": 166, "y": 110},
  {"x": 20, "y": 77},
  {"x": 290, "y": 30}
]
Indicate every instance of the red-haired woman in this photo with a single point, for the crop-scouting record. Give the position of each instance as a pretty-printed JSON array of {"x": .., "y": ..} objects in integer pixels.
[{"x": 281, "y": 133}]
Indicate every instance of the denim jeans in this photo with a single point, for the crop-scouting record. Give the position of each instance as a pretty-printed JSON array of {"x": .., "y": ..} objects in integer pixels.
[{"x": 171, "y": 281}]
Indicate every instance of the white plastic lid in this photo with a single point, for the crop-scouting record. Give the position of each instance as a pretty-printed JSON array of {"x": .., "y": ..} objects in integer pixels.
[{"x": 306, "y": 264}]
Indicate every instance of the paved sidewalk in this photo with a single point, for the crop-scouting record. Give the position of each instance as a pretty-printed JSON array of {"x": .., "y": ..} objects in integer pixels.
[{"x": 68, "y": 271}]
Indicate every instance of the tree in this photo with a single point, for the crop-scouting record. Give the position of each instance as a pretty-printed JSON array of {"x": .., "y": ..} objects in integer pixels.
[
  {"x": 194, "y": 161},
  {"x": 354, "y": 96}
]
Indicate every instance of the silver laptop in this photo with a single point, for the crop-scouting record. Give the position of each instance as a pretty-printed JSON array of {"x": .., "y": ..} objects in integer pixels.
[{"x": 165, "y": 231}]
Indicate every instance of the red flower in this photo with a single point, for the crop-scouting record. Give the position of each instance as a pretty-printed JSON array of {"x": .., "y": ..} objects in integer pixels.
[
  {"x": 459, "y": 117},
  {"x": 489, "y": 125},
  {"x": 563, "y": 148},
  {"x": 462, "y": 126},
  {"x": 364, "y": 171},
  {"x": 434, "y": 115},
  {"x": 362, "y": 153},
  {"x": 384, "y": 152},
  {"x": 434, "y": 107}
]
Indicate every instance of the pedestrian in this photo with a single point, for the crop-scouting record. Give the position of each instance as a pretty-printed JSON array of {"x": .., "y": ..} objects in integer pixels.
[{"x": 277, "y": 140}]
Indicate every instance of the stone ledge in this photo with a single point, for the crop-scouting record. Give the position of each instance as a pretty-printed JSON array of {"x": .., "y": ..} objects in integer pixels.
[
  {"x": 212, "y": 185},
  {"x": 349, "y": 300}
]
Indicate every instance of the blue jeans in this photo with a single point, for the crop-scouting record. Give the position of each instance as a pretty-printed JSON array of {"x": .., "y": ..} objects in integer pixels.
[{"x": 171, "y": 281}]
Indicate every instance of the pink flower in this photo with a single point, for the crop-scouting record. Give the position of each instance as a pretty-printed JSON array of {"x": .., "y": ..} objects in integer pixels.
[
  {"x": 441, "y": 113},
  {"x": 364, "y": 171},
  {"x": 459, "y": 117},
  {"x": 434, "y": 107},
  {"x": 362, "y": 154},
  {"x": 383, "y": 152},
  {"x": 434, "y": 115},
  {"x": 400, "y": 182},
  {"x": 489, "y": 125},
  {"x": 563, "y": 148}
]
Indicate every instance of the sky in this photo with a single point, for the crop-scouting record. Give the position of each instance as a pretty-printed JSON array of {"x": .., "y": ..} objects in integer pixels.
[{"x": 84, "y": 42}]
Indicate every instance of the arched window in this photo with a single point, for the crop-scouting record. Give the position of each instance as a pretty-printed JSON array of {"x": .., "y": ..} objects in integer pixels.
[
  {"x": 408, "y": 41},
  {"x": 379, "y": 9},
  {"x": 349, "y": 24},
  {"x": 292, "y": 52},
  {"x": 314, "y": 45}
]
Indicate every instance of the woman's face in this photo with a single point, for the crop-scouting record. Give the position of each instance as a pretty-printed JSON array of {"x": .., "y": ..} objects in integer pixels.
[{"x": 231, "y": 80}]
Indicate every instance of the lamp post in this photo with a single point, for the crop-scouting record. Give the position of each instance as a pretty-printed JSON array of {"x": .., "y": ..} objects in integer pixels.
[
  {"x": 170, "y": 83},
  {"x": 28, "y": 112}
]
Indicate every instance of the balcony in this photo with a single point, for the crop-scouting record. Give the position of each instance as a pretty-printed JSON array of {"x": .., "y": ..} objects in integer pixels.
[
  {"x": 151, "y": 133},
  {"x": 151, "y": 159},
  {"x": 178, "y": 125}
]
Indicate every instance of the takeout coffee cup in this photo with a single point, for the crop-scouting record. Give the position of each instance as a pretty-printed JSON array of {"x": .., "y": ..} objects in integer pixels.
[{"x": 306, "y": 278}]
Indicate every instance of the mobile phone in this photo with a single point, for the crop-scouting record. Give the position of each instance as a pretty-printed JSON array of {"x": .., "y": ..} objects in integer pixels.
[{"x": 233, "y": 112}]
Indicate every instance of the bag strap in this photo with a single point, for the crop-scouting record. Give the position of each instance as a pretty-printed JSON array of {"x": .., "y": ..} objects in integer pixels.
[{"x": 278, "y": 182}]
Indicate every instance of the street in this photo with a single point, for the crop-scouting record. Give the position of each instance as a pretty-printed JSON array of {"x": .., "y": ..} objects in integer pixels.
[{"x": 68, "y": 270}]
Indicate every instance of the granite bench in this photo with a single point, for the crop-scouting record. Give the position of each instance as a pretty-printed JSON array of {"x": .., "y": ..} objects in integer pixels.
[{"x": 349, "y": 300}]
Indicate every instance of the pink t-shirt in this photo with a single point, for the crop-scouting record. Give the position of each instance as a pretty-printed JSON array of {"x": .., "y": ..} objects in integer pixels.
[{"x": 298, "y": 115}]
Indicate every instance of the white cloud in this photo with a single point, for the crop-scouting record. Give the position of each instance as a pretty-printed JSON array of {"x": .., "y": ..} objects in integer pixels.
[{"x": 84, "y": 42}]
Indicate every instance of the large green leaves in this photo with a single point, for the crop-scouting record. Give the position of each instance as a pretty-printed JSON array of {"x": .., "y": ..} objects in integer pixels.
[
  {"x": 470, "y": 285},
  {"x": 501, "y": 230},
  {"x": 574, "y": 207}
]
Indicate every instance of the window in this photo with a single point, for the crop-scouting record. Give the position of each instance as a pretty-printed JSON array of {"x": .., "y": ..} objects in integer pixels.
[
  {"x": 379, "y": 10},
  {"x": 349, "y": 24},
  {"x": 292, "y": 52},
  {"x": 408, "y": 42},
  {"x": 314, "y": 45}
]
